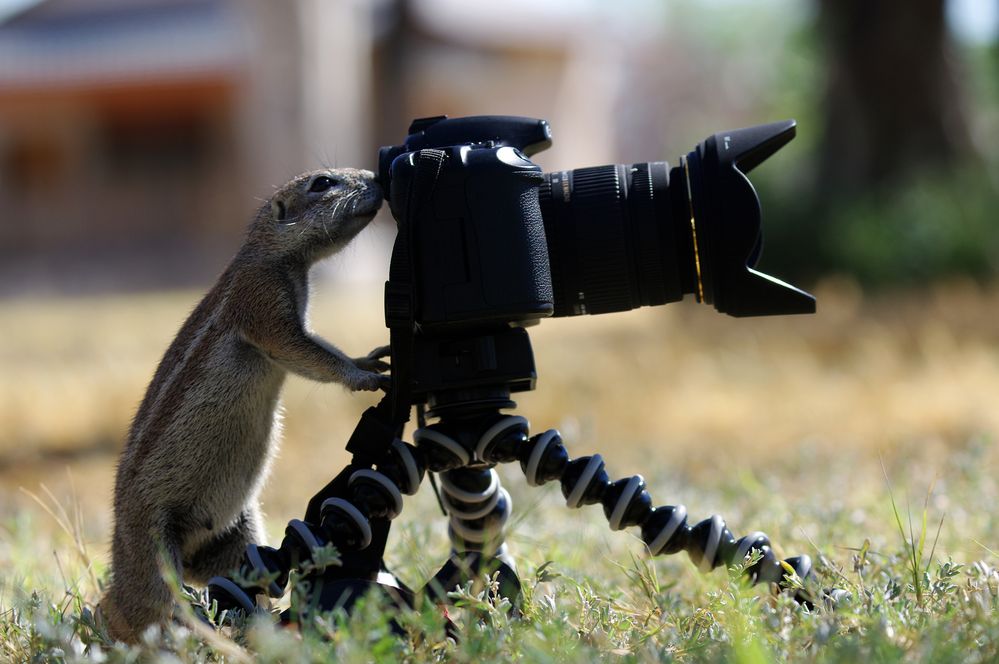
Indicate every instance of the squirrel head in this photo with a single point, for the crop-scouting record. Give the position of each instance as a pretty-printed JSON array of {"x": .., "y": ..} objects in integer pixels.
[{"x": 315, "y": 214}]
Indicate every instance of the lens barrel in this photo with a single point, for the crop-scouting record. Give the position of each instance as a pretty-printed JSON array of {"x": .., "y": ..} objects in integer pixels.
[
  {"x": 613, "y": 244},
  {"x": 626, "y": 236}
]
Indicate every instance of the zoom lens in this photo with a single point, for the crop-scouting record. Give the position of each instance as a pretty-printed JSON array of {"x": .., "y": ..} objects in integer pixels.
[
  {"x": 613, "y": 239},
  {"x": 622, "y": 237}
]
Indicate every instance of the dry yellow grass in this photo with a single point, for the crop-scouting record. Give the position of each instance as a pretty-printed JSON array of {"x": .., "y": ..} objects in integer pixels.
[{"x": 679, "y": 385}]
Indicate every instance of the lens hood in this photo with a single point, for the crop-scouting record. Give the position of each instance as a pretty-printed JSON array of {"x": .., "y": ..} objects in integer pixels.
[{"x": 725, "y": 223}]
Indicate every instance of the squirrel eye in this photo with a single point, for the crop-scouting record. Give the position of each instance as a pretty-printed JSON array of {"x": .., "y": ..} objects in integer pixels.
[
  {"x": 278, "y": 210},
  {"x": 321, "y": 183}
]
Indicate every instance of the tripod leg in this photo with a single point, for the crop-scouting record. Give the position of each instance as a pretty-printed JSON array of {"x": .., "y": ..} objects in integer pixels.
[
  {"x": 478, "y": 507},
  {"x": 352, "y": 513},
  {"x": 465, "y": 566},
  {"x": 625, "y": 502}
]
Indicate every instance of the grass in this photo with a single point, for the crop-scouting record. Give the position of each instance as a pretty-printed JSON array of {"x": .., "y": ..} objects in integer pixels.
[{"x": 815, "y": 430}]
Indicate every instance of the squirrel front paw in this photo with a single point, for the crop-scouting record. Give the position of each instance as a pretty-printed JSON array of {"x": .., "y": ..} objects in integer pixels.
[
  {"x": 369, "y": 381},
  {"x": 373, "y": 362}
]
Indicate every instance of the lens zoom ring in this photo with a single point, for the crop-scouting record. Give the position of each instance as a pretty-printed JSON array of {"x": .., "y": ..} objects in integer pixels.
[
  {"x": 601, "y": 235},
  {"x": 645, "y": 230}
]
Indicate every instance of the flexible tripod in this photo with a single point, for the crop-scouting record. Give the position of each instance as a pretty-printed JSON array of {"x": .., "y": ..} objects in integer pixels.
[{"x": 353, "y": 513}]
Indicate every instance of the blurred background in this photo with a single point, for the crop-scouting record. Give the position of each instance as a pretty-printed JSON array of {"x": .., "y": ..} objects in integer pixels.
[{"x": 138, "y": 136}]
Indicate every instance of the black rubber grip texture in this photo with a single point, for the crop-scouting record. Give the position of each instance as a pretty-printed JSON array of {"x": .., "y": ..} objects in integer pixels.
[{"x": 597, "y": 205}]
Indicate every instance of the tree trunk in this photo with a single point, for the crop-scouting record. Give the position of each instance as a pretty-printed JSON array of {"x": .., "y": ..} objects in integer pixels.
[{"x": 892, "y": 104}]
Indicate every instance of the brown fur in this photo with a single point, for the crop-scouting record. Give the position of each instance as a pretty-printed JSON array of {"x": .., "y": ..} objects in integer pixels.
[{"x": 199, "y": 447}]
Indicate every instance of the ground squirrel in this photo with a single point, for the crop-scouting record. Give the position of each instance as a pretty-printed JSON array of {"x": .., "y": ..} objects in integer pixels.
[{"x": 201, "y": 442}]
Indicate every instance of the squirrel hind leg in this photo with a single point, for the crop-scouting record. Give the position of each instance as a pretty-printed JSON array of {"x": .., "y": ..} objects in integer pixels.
[
  {"x": 223, "y": 553},
  {"x": 138, "y": 595}
]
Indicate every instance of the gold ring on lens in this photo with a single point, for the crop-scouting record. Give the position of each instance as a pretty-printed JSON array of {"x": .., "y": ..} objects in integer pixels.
[{"x": 693, "y": 230}]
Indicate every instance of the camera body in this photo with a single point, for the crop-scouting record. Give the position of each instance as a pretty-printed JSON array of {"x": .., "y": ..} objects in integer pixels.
[
  {"x": 478, "y": 241},
  {"x": 488, "y": 244},
  {"x": 476, "y": 235}
]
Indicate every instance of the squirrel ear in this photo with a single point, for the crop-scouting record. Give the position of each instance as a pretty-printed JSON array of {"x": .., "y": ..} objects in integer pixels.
[{"x": 278, "y": 210}]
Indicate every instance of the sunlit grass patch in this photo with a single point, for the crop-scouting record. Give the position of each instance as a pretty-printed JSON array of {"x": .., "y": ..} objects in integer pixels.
[
  {"x": 776, "y": 424},
  {"x": 591, "y": 593}
]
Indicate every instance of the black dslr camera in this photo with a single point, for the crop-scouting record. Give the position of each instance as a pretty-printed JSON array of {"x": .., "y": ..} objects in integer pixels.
[
  {"x": 487, "y": 241},
  {"x": 487, "y": 244}
]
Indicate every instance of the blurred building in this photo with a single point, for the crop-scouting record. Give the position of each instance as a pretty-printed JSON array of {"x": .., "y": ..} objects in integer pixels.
[{"x": 136, "y": 135}]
